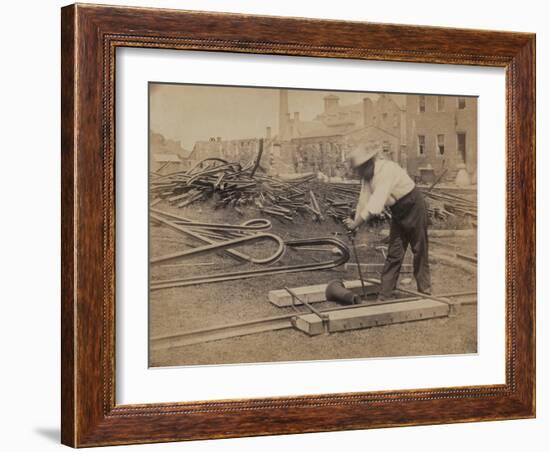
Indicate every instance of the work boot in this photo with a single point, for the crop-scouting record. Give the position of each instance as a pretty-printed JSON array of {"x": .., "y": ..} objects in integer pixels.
[{"x": 382, "y": 298}]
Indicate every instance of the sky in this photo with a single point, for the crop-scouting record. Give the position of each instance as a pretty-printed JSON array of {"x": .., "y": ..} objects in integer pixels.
[{"x": 189, "y": 113}]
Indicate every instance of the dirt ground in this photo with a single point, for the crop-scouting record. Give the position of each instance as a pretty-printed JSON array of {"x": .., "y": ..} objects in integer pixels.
[{"x": 178, "y": 310}]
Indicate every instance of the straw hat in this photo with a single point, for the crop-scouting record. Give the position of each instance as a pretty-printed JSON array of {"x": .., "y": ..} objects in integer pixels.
[{"x": 362, "y": 153}]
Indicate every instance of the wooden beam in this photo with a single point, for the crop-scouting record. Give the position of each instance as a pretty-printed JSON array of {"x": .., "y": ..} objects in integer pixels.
[
  {"x": 370, "y": 316},
  {"x": 316, "y": 293}
]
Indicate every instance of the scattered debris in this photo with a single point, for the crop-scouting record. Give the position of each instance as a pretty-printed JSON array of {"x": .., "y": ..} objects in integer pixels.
[{"x": 233, "y": 185}]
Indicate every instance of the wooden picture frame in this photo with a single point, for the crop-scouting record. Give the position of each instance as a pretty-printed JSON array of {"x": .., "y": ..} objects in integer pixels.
[{"x": 90, "y": 37}]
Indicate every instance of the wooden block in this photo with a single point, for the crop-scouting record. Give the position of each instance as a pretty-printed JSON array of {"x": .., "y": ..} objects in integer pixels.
[
  {"x": 316, "y": 293},
  {"x": 369, "y": 316}
]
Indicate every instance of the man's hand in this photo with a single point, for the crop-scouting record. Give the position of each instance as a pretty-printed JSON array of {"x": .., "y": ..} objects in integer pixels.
[{"x": 350, "y": 224}]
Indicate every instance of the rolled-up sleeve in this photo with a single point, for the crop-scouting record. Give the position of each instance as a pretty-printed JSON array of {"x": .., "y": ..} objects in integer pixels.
[
  {"x": 364, "y": 197},
  {"x": 377, "y": 201}
]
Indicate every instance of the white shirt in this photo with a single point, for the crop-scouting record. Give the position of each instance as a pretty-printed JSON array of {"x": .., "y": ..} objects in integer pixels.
[{"x": 389, "y": 184}]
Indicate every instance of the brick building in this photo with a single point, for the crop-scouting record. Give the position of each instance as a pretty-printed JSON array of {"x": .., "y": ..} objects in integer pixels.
[
  {"x": 167, "y": 154},
  {"x": 441, "y": 131},
  {"x": 321, "y": 144},
  {"x": 240, "y": 150},
  {"x": 418, "y": 131}
]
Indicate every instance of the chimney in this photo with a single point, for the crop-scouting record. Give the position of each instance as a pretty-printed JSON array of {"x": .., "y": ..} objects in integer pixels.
[
  {"x": 284, "y": 116},
  {"x": 289, "y": 133},
  {"x": 268, "y": 133},
  {"x": 367, "y": 112},
  {"x": 331, "y": 102},
  {"x": 403, "y": 127}
]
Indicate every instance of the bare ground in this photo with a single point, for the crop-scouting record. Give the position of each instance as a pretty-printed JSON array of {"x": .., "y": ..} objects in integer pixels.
[{"x": 189, "y": 308}]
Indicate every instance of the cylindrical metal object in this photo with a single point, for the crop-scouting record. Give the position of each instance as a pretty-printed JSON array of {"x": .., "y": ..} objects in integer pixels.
[{"x": 336, "y": 291}]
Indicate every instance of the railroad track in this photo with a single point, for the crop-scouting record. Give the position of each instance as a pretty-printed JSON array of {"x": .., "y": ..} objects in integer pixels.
[{"x": 276, "y": 323}]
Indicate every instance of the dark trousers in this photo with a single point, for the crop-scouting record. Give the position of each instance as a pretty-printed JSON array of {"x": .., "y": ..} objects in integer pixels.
[{"x": 409, "y": 227}]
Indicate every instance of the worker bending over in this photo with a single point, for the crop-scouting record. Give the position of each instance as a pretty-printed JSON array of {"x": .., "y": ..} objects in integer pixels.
[{"x": 385, "y": 183}]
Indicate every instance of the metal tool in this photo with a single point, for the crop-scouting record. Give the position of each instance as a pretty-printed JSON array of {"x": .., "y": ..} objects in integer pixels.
[
  {"x": 323, "y": 317},
  {"x": 336, "y": 291},
  {"x": 351, "y": 236}
]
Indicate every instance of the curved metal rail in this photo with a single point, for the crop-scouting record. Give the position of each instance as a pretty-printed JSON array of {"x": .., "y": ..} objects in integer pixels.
[
  {"x": 255, "y": 224},
  {"x": 199, "y": 163},
  {"x": 342, "y": 258},
  {"x": 219, "y": 245},
  {"x": 190, "y": 172},
  {"x": 209, "y": 171},
  {"x": 224, "y": 245}
]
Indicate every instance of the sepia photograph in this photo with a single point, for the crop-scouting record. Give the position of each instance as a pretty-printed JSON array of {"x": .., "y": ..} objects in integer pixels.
[{"x": 294, "y": 224}]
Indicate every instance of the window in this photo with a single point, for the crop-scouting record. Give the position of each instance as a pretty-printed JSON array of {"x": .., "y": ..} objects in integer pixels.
[
  {"x": 441, "y": 145},
  {"x": 440, "y": 103},
  {"x": 384, "y": 116},
  {"x": 461, "y": 103},
  {"x": 421, "y": 104},
  {"x": 421, "y": 144}
]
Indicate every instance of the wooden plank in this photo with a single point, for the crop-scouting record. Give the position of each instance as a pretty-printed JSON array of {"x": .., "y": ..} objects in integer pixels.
[
  {"x": 315, "y": 293},
  {"x": 370, "y": 316}
]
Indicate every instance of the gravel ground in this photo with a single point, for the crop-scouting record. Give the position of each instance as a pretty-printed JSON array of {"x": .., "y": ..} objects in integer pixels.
[{"x": 188, "y": 308}]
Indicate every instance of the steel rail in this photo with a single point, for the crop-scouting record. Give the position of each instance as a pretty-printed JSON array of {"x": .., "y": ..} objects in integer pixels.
[
  {"x": 210, "y": 159},
  {"x": 218, "y": 246},
  {"x": 232, "y": 253},
  {"x": 231, "y": 276},
  {"x": 262, "y": 325},
  {"x": 255, "y": 224},
  {"x": 314, "y": 310},
  {"x": 439, "y": 299},
  {"x": 211, "y": 171}
]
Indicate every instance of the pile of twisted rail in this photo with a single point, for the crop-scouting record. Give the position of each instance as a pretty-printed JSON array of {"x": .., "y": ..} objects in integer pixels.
[{"x": 216, "y": 237}]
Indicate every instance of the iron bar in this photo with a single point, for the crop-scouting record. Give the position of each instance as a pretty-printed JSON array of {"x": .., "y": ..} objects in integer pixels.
[
  {"x": 218, "y": 246},
  {"x": 232, "y": 253},
  {"x": 231, "y": 276}
]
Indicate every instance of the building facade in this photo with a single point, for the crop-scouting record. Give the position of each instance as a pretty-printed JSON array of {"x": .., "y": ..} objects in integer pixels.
[
  {"x": 441, "y": 132},
  {"x": 322, "y": 143},
  {"x": 167, "y": 154},
  {"x": 241, "y": 150},
  {"x": 437, "y": 133},
  {"x": 422, "y": 132}
]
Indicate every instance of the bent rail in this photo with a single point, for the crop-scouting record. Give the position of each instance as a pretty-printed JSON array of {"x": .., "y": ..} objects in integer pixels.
[{"x": 221, "y": 277}]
